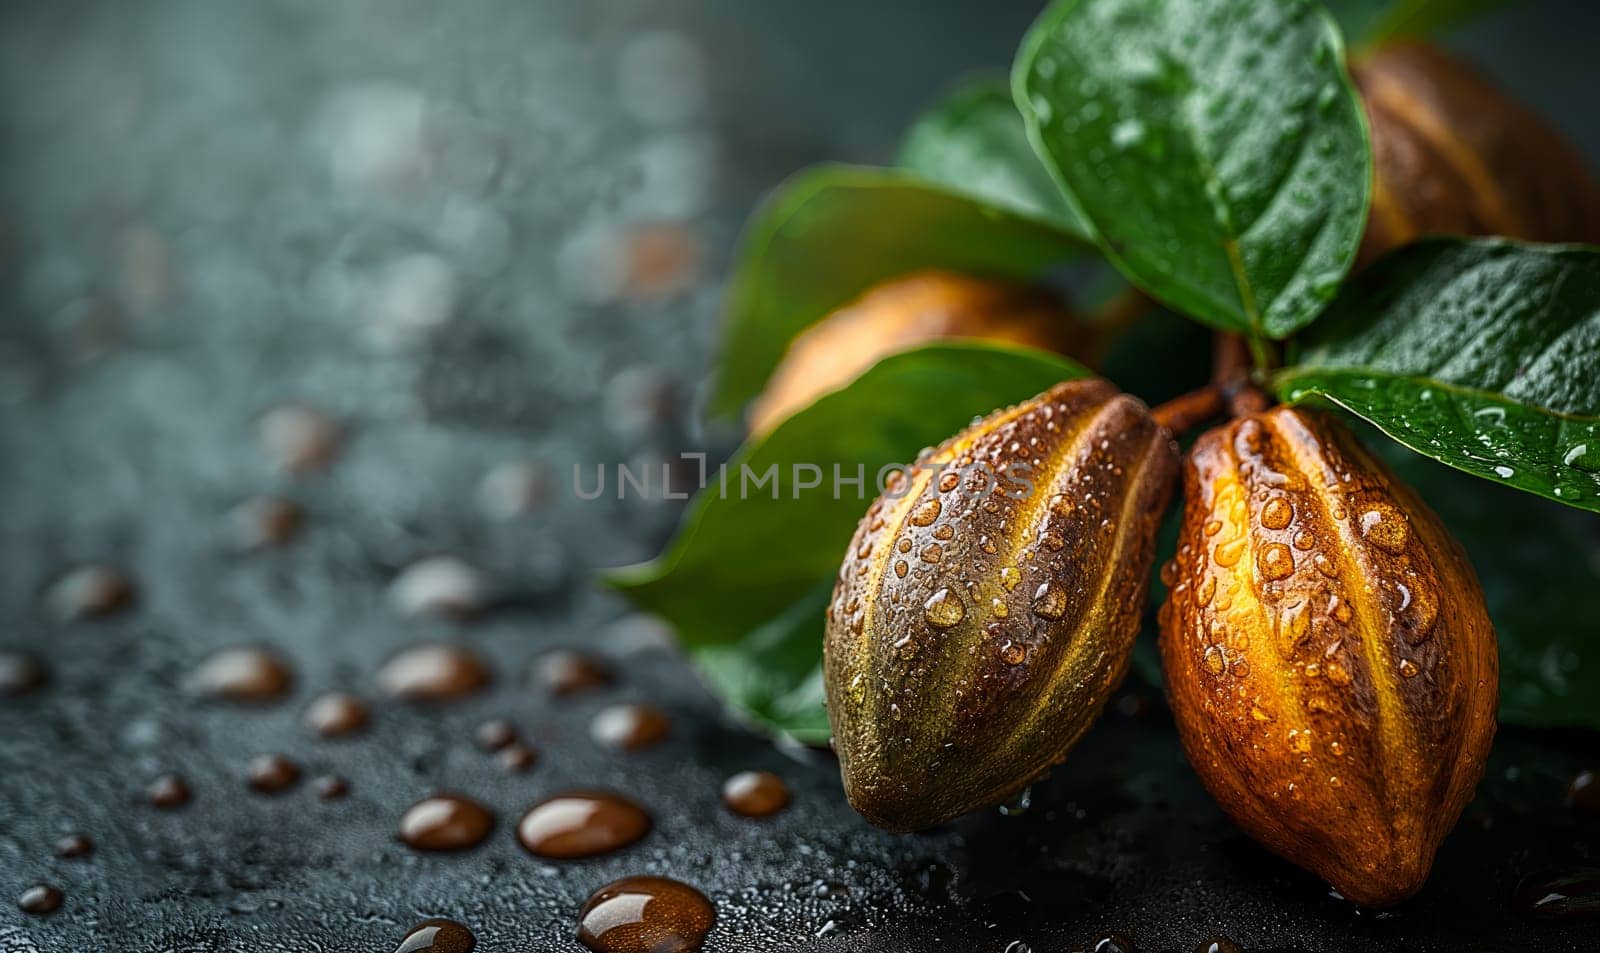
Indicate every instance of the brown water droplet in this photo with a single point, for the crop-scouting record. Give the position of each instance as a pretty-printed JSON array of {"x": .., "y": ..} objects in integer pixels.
[
  {"x": 945, "y": 531},
  {"x": 581, "y": 824},
  {"x": 1277, "y": 513},
  {"x": 1013, "y": 653},
  {"x": 1304, "y": 540},
  {"x": 944, "y": 609},
  {"x": 1336, "y": 749},
  {"x": 1053, "y": 542},
  {"x": 1424, "y": 612},
  {"x": 645, "y": 915},
  {"x": 495, "y": 734},
  {"x": 517, "y": 757},
  {"x": 445, "y": 822},
  {"x": 298, "y": 439},
  {"x": 1275, "y": 561},
  {"x": 1408, "y": 668},
  {"x": 900, "y": 568},
  {"x": 931, "y": 553},
  {"x": 1227, "y": 554},
  {"x": 272, "y": 773},
  {"x": 167, "y": 792},
  {"x": 1219, "y": 945},
  {"x": 1565, "y": 895},
  {"x": 987, "y": 545},
  {"x": 755, "y": 793},
  {"x": 1212, "y": 527},
  {"x": 926, "y": 512},
  {"x": 1207, "y": 590},
  {"x": 264, "y": 522},
  {"x": 20, "y": 674},
  {"x": 1114, "y": 943},
  {"x": 1050, "y": 601},
  {"x": 949, "y": 480},
  {"x": 74, "y": 846},
  {"x": 438, "y": 936},
  {"x": 1340, "y": 610},
  {"x": 330, "y": 787},
  {"x": 998, "y": 606},
  {"x": 1169, "y": 573},
  {"x": 246, "y": 674},
  {"x": 1325, "y": 566},
  {"x": 1010, "y": 578},
  {"x": 443, "y": 587},
  {"x": 1583, "y": 793},
  {"x": 1216, "y": 659},
  {"x": 563, "y": 672},
  {"x": 629, "y": 727},
  {"x": 89, "y": 592},
  {"x": 40, "y": 900},
  {"x": 336, "y": 714},
  {"x": 1385, "y": 528},
  {"x": 1338, "y": 674},
  {"x": 904, "y": 545},
  {"x": 433, "y": 672}
]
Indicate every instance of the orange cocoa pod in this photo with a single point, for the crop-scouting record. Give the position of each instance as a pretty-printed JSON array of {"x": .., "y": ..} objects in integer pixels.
[
  {"x": 1329, "y": 657},
  {"x": 978, "y": 625},
  {"x": 1454, "y": 154},
  {"x": 901, "y": 314}
]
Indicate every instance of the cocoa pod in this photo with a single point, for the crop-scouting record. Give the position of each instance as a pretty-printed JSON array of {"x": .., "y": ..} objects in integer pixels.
[
  {"x": 978, "y": 627},
  {"x": 1453, "y": 154},
  {"x": 1329, "y": 657},
  {"x": 901, "y": 314}
]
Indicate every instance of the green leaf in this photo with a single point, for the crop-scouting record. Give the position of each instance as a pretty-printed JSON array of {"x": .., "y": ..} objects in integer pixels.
[
  {"x": 1217, "y": 148},
  {"x": 832, "y": 232},
  {"x": 1484, "y": 355},
  {"x": 974, "y": 142},
  {"x": 1539, "y": 564},
  {"x": 741, "y": 564},
  {"x": 1376, "y": 21}
]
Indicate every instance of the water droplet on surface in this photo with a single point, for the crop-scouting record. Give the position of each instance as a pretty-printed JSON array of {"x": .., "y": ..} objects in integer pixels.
[
  {"x": 1050, "y": 601},
  {"x": 1219, "y": 945},
  {"x": 645, "y": 915},
  {"x": 438, "y": 936},
  {"x": 167, "y": 792},
  {"x": 74, "y": 847},
  {"x": 245, "y": 674},
  {"x": 20, "y": 674},
  {"x": 1010, "y": 578},
  {"x": 1212, "y": 527},
  {"x": 433, "y": 672},
  {"x": 932, "y": 553},
  {"x": 494, "y": 734},
  {"x": 563, "y": 672},
  {"x": 336, "y": 715},
  {"x": 1385, "y": 528},
  {"x": 330, "y": 787},
  {"x": 1583, "y": 793},
  {"x": 1275, "y": 561},
  {"x": 1216, "y": 659},
  {"x": 264, "y": 522},
  {"x": 1277, "y": 513},
  {"x": 89, "y": 592},
  {"x": 1013, "y": 653},
  {"x": 755, "y": 793},
  {"x": 1114, "y": 943},
  {"x": 1564, "y": 895},
  {"x": 944, "y": 609},
  {"x": 445, "y": 822},
  {"x": 1207, "y": 590},
  {"x": 1338, "y": 674},
  {"x": 298, "y": 439},
  {"x": 1408, "y": 668},
  {"x": 901, "y": 568},
  {"x": 40, "y": 900},
  {"x": 443, "y": 587},
  {"x": 1227, "y": 554},
  {"x": 516, "y": 757},
  {"x": 926, "y": 512},
  {"x": 632, "y": 727},
  {"x": 272, "y": 774},
  {"x": 579, "y": 824}
]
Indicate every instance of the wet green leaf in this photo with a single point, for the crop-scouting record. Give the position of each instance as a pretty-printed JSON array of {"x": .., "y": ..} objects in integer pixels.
[
  {"x": 1484, "y": 355},
  {"x": 1217, "y": 148},
  {"x": 831, "y": 232},
  {"x": 740, "y": 580},
  {"x": 974, "y": 142}
]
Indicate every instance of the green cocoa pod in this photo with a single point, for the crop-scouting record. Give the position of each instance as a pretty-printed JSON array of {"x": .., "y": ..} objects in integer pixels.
[{"x": 988, "y": 603}]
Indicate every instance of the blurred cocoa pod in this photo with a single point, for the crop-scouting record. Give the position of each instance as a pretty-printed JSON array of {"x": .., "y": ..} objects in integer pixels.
[
  {"x": 1329, "y": 657},
  {"x": 901, "y": 314},
  {"x": 979, "y": 622},
  {"x": 1454, "y": 154}
]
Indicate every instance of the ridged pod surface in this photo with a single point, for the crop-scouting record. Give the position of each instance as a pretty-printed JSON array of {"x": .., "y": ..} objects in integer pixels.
[
  {"x": 904, "y": 313},
  {"x": 976, "y": 630},
  {"x": 1329, "y": 658},
  {"x": 1454, "y": 154}
]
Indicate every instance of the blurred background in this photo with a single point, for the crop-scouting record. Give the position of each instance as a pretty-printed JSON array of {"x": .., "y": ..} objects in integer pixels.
[{"x": 476, "y": 244}]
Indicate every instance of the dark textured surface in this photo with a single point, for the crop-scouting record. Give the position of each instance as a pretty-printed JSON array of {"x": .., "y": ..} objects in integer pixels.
[{"x": 209, "y": 209}]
